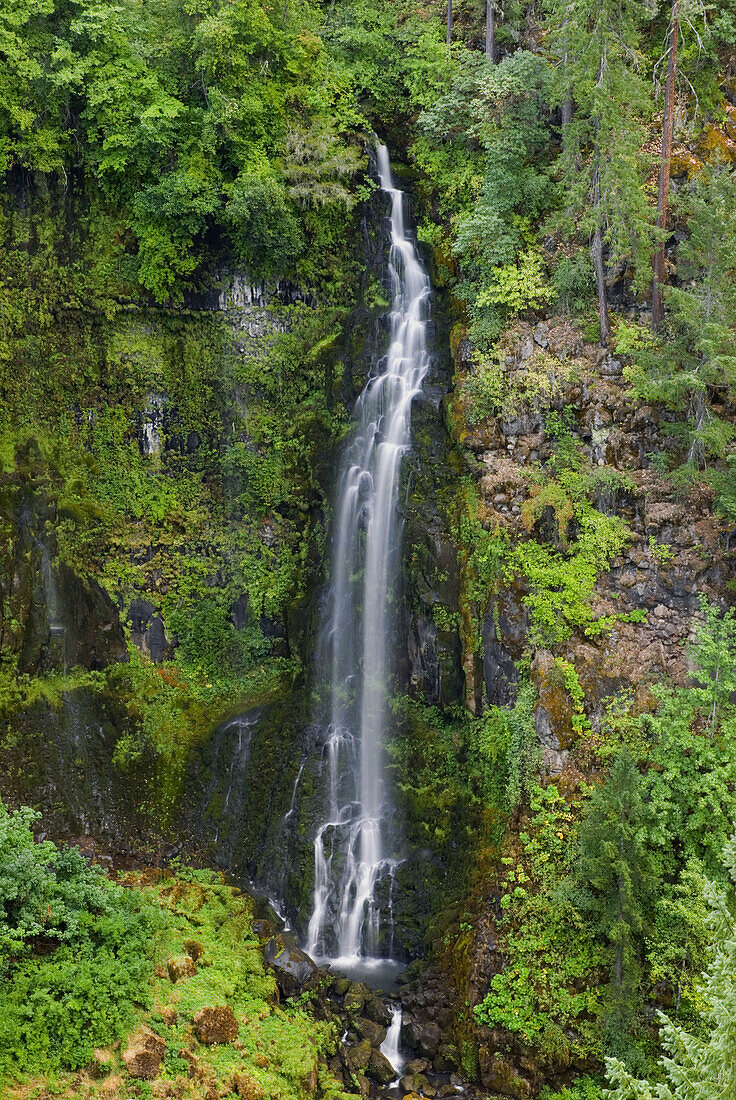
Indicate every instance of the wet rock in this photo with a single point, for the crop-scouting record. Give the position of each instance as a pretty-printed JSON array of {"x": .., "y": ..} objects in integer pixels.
[
  {"x": 415, "y": 1082},
  {"x": 500, "y": 1076},
  {"x": 292, "y": 966},
  {"x": 359, "y": 1056},
  {"x": 364, "y": 1086},
  {"x": 341, "y": 986},
  {"x": 336, "y": 1069},
  {"x": 144, "y": 1054},
  {"x": 380, "y": 1069},
  {"x": 356, "y": 997},
  {"x": 194, "y": 949},
  {"x": 447, "y": 1058},
  {"x": 377, "y": 1011},
  {"x": 430, "y": 1039},
  {"x": 215, "y": 1024},
  {"x": 183, "y": 966},
  {"x": 417, "y": 1065},
  {"x": 368, "y": 1029}
]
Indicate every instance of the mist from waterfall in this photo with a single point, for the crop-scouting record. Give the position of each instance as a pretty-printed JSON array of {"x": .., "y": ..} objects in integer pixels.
[{"x": 354, "y": 857}]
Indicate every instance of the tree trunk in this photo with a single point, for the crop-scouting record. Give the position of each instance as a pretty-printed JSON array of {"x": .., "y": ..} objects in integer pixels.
[
  {"x": 660, "y": 263},
  {"x": 449, "y": 22},
  {"x": 596, "y": 251},
  {"x": 491, "y": 30},
  {"x": 567, "y": 102}
]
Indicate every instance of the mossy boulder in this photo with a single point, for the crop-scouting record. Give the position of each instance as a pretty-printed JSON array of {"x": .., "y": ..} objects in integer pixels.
[
  {"x": 144, "y": 1054},
  {"x": 215, "y": 1024}
]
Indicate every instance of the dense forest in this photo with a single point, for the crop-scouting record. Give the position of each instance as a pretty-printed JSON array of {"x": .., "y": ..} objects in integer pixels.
[{"x": 193, "y": 294}]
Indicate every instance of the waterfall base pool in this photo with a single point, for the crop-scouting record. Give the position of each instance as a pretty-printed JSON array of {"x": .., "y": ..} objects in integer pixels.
[{"x": 379, "y": 974}]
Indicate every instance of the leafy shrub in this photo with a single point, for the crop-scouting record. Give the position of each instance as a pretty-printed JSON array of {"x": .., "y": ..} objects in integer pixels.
[{"x": 74, "y": 953}]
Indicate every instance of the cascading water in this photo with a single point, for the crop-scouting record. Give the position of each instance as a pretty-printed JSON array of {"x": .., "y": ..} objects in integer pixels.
[
  {"x": 391, "y": 1045},
  {"x": 353, "y": 857}
]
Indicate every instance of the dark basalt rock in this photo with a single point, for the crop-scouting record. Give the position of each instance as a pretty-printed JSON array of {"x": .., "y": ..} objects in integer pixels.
[
  {"x": 367, "y": 1029},
  {"x": 293, "y": 968},
  {"x": 380, "y": 1069}
]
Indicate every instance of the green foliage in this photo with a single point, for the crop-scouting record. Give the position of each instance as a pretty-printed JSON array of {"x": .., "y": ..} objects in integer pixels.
[
  {"x": 694, "y": 366},
  {"x": 547, "y": 993},
  {"x": 715, "y": 656},
  {"x": 699, "y": 1065},
  {"x": 616, "y": 881},
  {"x": 502, "y": 107},
  {"x": 74, "y": 949},
  {"x": 562, "y": 568},
  {"x": 601, "y": 69},
  {"x": 182, "y": 118},
  {"x": 508, "y": 741}
]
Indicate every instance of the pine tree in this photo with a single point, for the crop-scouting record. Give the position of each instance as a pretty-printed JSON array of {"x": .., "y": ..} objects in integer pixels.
[
  {"x": 699, "y": 1068},
  {"x": 660, "y": 268},
  {"x": 615, "y": 880},
  {"x": 597, "y": 42},
  {"x": 696, "y": 363}
]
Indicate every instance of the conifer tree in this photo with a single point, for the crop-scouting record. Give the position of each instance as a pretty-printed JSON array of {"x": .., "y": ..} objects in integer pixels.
[
  {"x": 600, "y": 161},
  {"x": 697, "y": 362},
  {"x": 699, "y": 1067},
  {"x": 660, "y": 270},
  {"x": 616, "y": 878}
]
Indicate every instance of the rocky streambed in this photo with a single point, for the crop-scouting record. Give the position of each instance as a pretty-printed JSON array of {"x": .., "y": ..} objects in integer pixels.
[{"x": 427, "y": 1062}]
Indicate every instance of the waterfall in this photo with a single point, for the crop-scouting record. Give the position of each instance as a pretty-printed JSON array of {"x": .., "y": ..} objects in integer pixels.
[
  {"x": 391, "y": 1045},
  {"x": 353, "y": 858}
]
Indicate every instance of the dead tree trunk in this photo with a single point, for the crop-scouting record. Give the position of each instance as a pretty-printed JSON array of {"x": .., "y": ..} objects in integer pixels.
[
  {"x": 491, "y": 30},
  {"x": 596, "y": 251},
  {"x": 660, "y": 262}
]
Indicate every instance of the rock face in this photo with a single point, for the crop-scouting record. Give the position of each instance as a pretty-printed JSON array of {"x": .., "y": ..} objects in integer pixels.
[
  {"x": 677, "y": 545},
  {"x": 55, "y": 619},
  {"x": 215, "y": 1024},
  {"x": 144, "y": 1054}
]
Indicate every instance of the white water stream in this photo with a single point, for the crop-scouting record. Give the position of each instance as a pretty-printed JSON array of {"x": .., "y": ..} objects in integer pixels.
[
  {"x": 353, "y": 858},
  {"x": 391, "y": 1045}
]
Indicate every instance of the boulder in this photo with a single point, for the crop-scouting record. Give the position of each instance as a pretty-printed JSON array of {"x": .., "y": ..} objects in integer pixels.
[
  {"x": 367, "y": 1029},
  {"x": 355, "y": 998},
  {"x": 247, "y": 1087},
  {"x": 144, "y": 1054},
  {"x": 447, "y": 1058},
  {"x": 183, "y": 966},
  {"x": 430, "y": 1039},
  {"x": 380, "y": 1069},
  {"x": 292, "y": 966},
  {"x": 358, "y": 1057},
  {"x": 376, "y": 1010},
  {"x": 215, "y": 1024},
  {"x": 498, "y": 1075}
]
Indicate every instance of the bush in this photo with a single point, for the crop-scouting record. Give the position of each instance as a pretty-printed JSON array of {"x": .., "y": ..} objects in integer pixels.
[{"x": 74, "y": 953}]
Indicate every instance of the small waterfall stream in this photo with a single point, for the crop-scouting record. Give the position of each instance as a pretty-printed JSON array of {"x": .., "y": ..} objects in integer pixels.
[
  {"x": 355, "y": 856},
  {"x": 391, "y": 1045}
]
